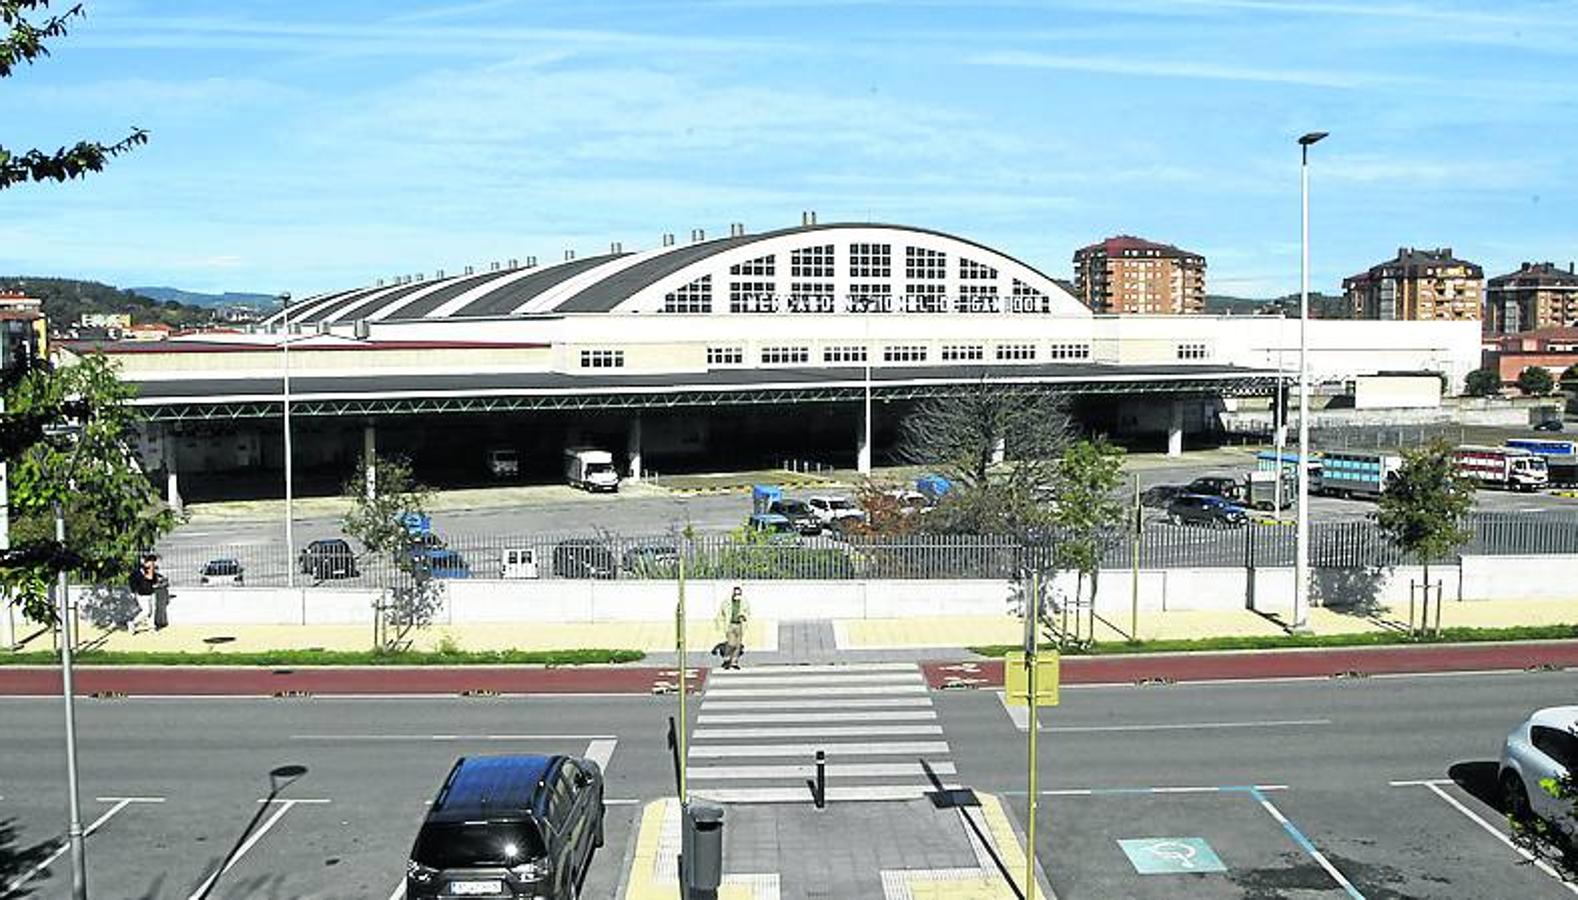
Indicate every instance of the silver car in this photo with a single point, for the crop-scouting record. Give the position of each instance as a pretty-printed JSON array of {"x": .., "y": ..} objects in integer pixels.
[{"x": 1543, "y": 750}]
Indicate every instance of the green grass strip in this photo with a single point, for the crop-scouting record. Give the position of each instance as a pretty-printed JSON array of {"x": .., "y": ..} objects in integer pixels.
[
  {"x": 582, "y": 657},
  {"x": 1294, "y": 641}
]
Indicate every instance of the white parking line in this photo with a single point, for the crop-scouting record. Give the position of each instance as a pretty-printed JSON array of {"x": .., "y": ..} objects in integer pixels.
[
  {"x": 285, "y": 806},
  {"x": 911, "y": 677},
  {"x": 803, "y": 794},
  {"x": 118, "y": 804},
  {"x": 1434, "y": 786},
  {"x": 1308, "y": 847},
  {"x": 833, "y": 668},
  {"x": 601, "y": 751}
]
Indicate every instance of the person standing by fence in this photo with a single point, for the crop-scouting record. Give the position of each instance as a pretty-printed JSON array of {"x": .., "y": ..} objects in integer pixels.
[{"x": 733, "y": 615}]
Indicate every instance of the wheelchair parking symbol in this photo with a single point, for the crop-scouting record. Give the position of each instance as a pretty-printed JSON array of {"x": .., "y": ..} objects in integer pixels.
[{"x": 1171, "y": 856}]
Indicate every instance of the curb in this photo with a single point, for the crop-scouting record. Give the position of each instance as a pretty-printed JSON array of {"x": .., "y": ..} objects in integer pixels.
[{"x": 744, "y": 488}]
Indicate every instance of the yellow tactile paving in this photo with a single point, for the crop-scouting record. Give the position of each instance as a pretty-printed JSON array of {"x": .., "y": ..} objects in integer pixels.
[
  {"x": 653, "y": 869},
  {"x": 966, "y": 884}
]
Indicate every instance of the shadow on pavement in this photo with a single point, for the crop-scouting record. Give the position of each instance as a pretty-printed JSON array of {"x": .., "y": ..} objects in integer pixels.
[
  {"x": 1479, "y": 779},
  {"x": 17, "y": 861}
]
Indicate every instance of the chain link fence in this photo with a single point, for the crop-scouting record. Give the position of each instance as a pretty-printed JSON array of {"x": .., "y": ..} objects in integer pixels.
[{"x": 1333, "y": 544}]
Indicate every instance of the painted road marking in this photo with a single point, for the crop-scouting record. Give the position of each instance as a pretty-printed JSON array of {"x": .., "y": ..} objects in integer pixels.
[
  {"x": 727, "y": 681},
  {"x": 835, "y": 668},
  {"x": 807, "y": 751},
  {"x": 1304, "y": 844},
  {"x": 1186, "y": 726},
  {"x": 601, "y": 751},
  {"x": 1184, "y": 789},
  {"x": 1435, "y": 787},
  {"x": 285, "y": 806},
  {"x": 116, "y": 805},
  {"x": 858, "y": 794},
  {"x": 1019, "y": 715},
  {"x": 842, "y": 770},
  {"x": 815, "y": 715},
  {"x": 818, "y": 703},
  {"x": 451, "y": 737},
  {"x": 836, "y": 731},
  {"x": 1171, "y": 856},
  {"x": 853, "y": 690}
]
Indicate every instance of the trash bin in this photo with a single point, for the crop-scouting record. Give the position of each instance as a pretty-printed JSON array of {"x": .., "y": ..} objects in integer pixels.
[{"x": 701, "y": 849}]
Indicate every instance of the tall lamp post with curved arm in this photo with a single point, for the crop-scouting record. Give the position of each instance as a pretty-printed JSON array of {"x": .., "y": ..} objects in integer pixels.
[{"x": 1301, "y": 573}]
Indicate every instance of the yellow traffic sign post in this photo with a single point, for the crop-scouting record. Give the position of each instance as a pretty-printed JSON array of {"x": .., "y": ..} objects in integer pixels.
[
  {"x": 679, "y": 641},
  {"x": 1032, "y": 680}
]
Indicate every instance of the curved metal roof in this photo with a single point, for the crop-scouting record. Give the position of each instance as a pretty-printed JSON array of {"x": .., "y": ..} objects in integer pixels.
[{"x": 510, "y": 291}]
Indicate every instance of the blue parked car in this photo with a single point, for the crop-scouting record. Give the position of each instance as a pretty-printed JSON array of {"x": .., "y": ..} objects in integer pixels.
[{"x": 447, "y": 564}]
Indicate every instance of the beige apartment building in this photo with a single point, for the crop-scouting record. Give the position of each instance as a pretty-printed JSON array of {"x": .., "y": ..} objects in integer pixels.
[
  {"x": 1536, "y": 296},
  {"x": 1416, "y": 285},
  {"x": 1126, "y": 274}
]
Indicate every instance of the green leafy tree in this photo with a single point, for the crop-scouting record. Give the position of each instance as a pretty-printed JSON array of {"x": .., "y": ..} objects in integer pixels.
[
  {"x": 1569, "y": 379},
  {"x": 1536, "y": 381},
  {"x": 26, "y": 27},
  {"x": 1482, "y": 383},
  {"x": 1424, "y": 506},
  {"x": 380, "y": 501},
  {"x": 112, "y": 511},
  {"x": 962, "y": 435},
  {"x": 1087, "y": 512}
]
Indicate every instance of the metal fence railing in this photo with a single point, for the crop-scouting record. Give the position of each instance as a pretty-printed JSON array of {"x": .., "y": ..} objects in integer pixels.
[{"x": 1333, "y": 544}]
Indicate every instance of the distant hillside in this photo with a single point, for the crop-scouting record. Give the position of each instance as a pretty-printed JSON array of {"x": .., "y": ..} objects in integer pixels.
[
  {"x": 192, "y": 298},
  {"x": 1322, "y": 306},
  {"x": 67, "y": 299}
]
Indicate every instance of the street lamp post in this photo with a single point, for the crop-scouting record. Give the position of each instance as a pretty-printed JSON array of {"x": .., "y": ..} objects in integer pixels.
[
  {"x": 1301, "y": 568},
  {"x": 74, "y": 833},
  {"x": 290, "y": 472}
]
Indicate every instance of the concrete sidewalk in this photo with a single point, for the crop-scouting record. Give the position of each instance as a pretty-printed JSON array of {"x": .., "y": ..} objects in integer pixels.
[
  {"x": 914, "y": 850},
  {"x": 799, "y": 641}
]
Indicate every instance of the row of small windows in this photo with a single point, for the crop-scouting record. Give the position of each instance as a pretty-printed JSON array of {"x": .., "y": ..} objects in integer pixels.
[
  {"x": 837, "y": 354},
  {"x": 923, "y": 264},
  {"x": 1193, "y": 351},
  {"x": 811, "y": 262},
  {"x": 818, "y": 297},
  {"x": 602, "y": 359},
  {"x": 870, "y": 260}
]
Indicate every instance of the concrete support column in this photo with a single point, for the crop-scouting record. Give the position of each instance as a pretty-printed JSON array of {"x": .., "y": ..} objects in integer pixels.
[
  {"x": 1175, "y": 429},
  {"x": 370, "y": 453},
  {"x": 633, "y": 448},
  {"x": 999, "y": 451},
  {"x": 863, "y": 447}
]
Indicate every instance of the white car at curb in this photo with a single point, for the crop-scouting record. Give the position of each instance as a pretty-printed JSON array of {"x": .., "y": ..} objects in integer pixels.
[
  {"x": 829, "y": 509},
  {"x": 1544, "y": 749}
]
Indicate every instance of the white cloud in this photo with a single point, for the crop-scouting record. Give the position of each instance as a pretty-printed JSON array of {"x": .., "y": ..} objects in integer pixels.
[{"x": 1154, "y": 68}]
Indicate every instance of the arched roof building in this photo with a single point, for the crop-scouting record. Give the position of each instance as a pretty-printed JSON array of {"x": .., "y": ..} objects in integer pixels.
[{"x": 833, "y": 269}]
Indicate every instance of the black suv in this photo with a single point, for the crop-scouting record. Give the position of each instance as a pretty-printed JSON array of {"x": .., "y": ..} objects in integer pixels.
[
  {"x": 328, "y": 558},
  {"x": 1213, "y": 512},
  {"x": 584, "y": 558},
  {"x": 1216, "y": 486},
  {"x": 509, "y": 826}
]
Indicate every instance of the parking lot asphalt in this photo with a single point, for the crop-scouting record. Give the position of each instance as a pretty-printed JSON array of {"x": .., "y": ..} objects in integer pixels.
[
  {"x": 172, "y": 784},
  {"x": 1378, "y": 788}
]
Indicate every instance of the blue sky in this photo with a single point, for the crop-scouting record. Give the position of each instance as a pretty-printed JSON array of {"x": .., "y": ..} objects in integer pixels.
[{"x": 306, "y": 146}]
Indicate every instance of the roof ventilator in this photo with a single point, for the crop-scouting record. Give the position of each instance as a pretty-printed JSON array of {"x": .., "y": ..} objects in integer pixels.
[
  {"x": 697, "y": 235},
  {"x": 531, "y": 262},
  {"x": 493, "y": 266},
  {"x": 323, "y": 326},
  {"x": 470, "y": 270},
  {"x": 808, "y": 217},
  {"x": 362, "y": 330},
  {"x": 616, "y": 247},
  {"x": 736, "y": 229},
  {"x": 439, "y": 274},
  {"x": 668, "y": 239},
  {"x": 569, "y": 255}
]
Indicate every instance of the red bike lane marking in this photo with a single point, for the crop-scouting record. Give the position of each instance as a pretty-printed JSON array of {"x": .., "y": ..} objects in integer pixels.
[
  {"x": 265, "y": 682},
  {"x": 1323, "y": 663}
]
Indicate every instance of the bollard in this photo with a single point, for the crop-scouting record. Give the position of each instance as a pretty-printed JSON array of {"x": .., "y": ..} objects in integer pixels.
[
  {"x": 821, "y": 780},
  {"x": 701, "y": 850}
]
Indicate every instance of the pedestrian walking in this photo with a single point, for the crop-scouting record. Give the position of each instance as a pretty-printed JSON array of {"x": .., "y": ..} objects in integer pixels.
[
  {"x": 149, "y": 585},
  {"x": 733, "y": 615}
]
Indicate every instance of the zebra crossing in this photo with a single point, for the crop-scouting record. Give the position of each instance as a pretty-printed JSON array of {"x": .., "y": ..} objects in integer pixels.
[{"x": 758, "y": 731}]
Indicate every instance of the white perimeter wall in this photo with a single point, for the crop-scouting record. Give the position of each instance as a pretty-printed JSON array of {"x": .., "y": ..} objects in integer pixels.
[{"x": 1266, "y": 590}]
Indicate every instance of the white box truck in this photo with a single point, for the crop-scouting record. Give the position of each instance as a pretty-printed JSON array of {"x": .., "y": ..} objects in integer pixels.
[
  {"x": 1504, "y": 467},
  {"x": 590, "y": 470}
]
